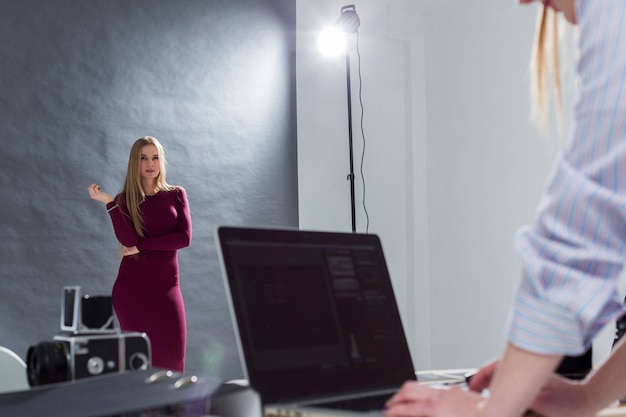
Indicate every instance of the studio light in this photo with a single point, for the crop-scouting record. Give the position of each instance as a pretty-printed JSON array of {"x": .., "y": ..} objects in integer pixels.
[{"x": 334, "y": 41}]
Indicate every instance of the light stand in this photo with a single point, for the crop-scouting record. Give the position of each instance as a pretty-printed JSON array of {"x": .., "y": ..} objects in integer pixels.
[{"x": 349, "y": 23}]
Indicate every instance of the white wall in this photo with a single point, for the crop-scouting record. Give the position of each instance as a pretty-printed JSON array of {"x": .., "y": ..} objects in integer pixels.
[
  {"x": 394, "y": 134},
  {"x": 453, "y": 165},
  {"x": 486, "y": 167}
]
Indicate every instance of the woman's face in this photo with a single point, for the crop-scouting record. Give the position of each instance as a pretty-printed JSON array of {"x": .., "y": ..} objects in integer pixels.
[
  {"x": 149, "y": 162},
  {"x": 564, "y": 6}
]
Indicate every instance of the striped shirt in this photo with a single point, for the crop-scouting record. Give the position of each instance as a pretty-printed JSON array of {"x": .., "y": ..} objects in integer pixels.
[{"x": 573, "y": 253}]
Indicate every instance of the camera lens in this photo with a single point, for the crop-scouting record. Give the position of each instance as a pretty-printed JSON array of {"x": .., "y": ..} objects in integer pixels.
[
  {"x": 138, "y": 362},
  {"x": 47, "y": 362}
]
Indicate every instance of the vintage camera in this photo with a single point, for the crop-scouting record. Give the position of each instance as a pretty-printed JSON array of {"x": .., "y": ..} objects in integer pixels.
[{"x": 88, "y": 345}]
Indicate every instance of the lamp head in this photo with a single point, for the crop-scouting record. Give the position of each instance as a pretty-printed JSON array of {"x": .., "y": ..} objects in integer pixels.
[
  {"x": 349, "y": 21},
  {"x": 332, "y": 41}
]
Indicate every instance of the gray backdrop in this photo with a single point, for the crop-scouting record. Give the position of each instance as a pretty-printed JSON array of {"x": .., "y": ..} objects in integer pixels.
[{"x": 214, "y": 80}]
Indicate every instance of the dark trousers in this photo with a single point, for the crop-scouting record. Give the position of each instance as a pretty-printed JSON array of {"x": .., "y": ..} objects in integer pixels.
[{"x": 576, "y": 367}]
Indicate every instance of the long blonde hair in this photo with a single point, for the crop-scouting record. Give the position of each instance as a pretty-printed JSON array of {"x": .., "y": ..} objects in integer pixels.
[
  {"x": 544, "y": 68},
  {"x": 132, "y": 190}
]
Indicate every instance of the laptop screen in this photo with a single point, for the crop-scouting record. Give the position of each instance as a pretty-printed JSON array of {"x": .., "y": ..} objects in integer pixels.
[{"x": 315, "y": 312}]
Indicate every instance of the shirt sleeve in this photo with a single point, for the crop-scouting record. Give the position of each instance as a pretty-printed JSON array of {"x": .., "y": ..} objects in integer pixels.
[
  {"x": 573, "y": 253},
  {"x": 122, "y": 224}
]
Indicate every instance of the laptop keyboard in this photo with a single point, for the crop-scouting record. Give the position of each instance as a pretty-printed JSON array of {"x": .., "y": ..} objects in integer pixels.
[{"x": 375, "y": 402}]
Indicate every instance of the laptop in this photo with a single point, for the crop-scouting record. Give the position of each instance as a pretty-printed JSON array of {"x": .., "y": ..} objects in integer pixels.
[{"x": 317, "y": 323}]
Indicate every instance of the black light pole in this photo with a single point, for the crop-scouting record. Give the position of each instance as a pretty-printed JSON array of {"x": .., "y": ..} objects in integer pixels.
[
  {"x": 349, "y": 23},
  {"x": 351, "y": 174}
]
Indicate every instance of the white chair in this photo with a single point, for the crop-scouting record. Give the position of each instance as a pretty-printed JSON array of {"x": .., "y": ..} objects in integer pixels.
[{"x": 12, "y": 371}]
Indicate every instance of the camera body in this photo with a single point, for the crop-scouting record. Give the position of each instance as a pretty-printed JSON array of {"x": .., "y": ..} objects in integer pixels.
[
  {"x": 86, "y": 351},
  {"x": 85, "y": 314}
]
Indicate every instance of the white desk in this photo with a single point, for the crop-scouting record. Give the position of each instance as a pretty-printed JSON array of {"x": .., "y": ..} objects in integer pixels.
[{"x": 451, "y": 376}]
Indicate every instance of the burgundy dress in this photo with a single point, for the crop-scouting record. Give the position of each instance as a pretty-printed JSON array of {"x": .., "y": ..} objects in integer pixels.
[{"x": 146, "y": 295}]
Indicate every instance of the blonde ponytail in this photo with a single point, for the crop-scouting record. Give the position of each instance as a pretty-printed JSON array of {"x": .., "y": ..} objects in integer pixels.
[{"x": 545, "y": 69}]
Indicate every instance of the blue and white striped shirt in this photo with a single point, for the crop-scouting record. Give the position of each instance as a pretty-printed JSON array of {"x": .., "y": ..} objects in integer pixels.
[{"x": 574, "y": 252}]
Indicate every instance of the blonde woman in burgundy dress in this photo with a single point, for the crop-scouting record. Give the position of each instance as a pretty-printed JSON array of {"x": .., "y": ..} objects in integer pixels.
[{"x": 152, "y": 221}]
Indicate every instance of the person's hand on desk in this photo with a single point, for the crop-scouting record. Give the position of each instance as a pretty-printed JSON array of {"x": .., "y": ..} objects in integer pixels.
[
  {"x": 419, "y": 400},
  {"x": 559, "y": 397}
]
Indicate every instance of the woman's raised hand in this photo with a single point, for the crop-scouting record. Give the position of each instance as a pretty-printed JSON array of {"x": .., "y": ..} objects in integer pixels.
[{"x": 98, "y": 195}]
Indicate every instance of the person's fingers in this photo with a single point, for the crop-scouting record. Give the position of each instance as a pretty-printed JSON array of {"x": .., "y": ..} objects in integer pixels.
[
  {"x": 482, "y": 378},
  {"x": 409, "y": 410},
  {"x": 412, "y": 391},
  {"x": 412, "y": 400},
  {"x": 423, "y": 401},
  {"x": 93, "y": 189}
]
